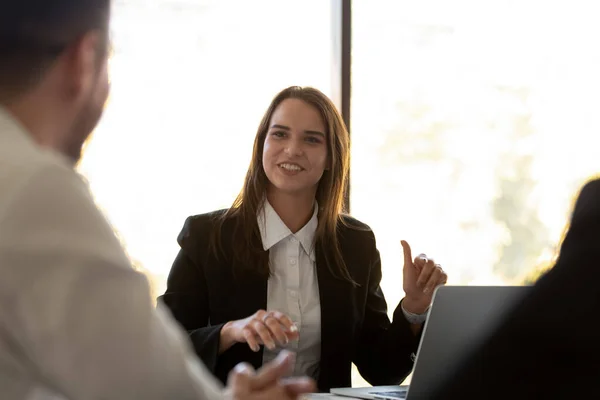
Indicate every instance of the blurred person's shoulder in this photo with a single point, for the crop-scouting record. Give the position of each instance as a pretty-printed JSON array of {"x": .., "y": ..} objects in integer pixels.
[
  {"x": 22, "y": 160},
  {"x": 45, "y": 205},
  {"x": 587, "y": 204}
]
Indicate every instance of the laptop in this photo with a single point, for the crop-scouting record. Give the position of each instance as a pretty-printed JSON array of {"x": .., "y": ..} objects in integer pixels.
[{"x": 460, "y": 318}]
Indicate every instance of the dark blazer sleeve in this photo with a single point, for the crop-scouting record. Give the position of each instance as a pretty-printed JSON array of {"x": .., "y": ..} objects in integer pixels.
[
  {"x": 186, "y": 297},
  {"x": 384, "y": 350},
  {"x": 548, "y": 347}
]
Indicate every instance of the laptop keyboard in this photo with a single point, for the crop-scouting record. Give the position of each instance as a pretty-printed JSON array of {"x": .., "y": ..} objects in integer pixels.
[{"x": 391, "y": 394}]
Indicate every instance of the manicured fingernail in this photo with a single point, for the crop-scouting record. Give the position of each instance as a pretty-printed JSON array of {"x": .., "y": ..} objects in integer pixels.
[
  {"x": 286, "y": 357},
  {"x": 255, "y": 348},
  {"x": 294, "y": 328}
]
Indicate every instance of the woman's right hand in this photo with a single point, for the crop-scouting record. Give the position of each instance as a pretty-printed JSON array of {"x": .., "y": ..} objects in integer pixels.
[{"x": 262, "y": 327}]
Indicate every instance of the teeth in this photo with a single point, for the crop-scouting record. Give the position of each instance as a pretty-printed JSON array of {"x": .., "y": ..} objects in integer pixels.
[{"x": 290, "y": 167}]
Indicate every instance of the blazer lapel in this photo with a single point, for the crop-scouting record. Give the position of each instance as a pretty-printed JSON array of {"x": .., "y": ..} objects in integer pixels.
[
  {"x": 249, "y": 295},
  {"x": 336, "y": 318}
]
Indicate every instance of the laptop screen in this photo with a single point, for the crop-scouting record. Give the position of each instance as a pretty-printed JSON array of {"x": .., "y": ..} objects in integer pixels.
[{"x": 460, "y": 319}]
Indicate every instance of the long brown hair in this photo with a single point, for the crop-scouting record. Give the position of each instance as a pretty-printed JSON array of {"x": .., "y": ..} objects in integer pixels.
[{"x": 248, "y": 250}]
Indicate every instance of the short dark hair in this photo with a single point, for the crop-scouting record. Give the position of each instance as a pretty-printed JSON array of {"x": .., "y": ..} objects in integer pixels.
[{"x": 33, "y": 33}]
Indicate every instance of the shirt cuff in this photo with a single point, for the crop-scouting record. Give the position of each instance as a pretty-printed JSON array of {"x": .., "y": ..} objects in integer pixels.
[{"x": 412, "y": 317}]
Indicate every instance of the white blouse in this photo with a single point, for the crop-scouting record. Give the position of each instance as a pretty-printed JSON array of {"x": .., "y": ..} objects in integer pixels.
[{"x": 293, "y": 288}]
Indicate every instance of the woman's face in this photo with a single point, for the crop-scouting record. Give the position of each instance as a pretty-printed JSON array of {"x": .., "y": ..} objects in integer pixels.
[{"x": 295, "y": 150}]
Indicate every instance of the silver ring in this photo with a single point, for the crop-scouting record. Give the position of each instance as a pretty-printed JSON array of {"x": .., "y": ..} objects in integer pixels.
[{"x": 266, "y": 317}]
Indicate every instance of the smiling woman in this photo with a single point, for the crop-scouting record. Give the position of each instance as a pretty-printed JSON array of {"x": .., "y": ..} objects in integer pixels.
[
  {"x": 313, "y": 138},
  {"x": 284, "y": 267}
]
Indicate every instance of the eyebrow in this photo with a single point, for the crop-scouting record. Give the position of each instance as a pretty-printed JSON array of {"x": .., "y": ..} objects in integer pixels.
[{"x": 287, "y": 128}]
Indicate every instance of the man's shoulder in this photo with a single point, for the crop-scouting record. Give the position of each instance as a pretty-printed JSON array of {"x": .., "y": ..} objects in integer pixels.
[
  {"x": 22, "y": 164},
  {"x": 20, "y": 152},
  {"x": 40, "y": 191}
]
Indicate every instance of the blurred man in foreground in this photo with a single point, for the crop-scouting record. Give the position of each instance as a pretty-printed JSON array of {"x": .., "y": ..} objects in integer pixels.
[{"x": 76, "y": 321}]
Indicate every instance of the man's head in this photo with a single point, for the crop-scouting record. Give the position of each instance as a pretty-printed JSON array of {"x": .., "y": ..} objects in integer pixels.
[{"x": 53, "y": 68}]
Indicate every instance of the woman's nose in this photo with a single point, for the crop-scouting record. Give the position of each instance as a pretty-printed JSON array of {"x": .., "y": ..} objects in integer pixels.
[{"x": 293, "y": 148}]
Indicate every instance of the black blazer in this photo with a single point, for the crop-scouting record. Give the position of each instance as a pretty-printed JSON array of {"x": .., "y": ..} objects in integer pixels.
[
  {"x": 549, "y": 347},
  {"x": 203, "y": 294}
]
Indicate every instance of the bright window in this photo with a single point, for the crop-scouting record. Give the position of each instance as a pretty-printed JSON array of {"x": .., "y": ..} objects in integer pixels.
[{"x": 473, "y": 125}]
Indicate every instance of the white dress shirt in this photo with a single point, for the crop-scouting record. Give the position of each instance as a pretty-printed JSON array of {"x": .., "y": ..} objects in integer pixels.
[
  {"x": 293, "y": 288},
  {"x": 76, "y": 321}
]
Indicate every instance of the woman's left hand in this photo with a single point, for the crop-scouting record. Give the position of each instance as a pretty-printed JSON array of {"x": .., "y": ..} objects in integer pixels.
[{"x": 421, "y": 276}]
